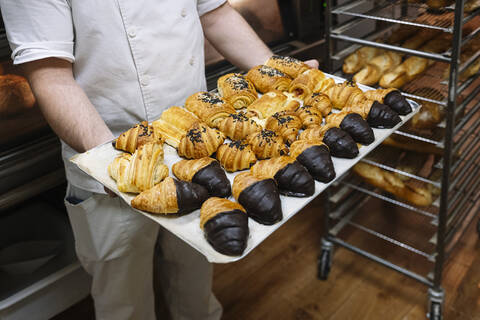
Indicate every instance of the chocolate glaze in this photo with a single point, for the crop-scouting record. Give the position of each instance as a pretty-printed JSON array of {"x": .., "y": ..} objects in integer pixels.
[
  {"x": 262, "y": 202},
  {"x": 382, "y": 116},
  {"x": 357, "y": 128},
  {"x": 397, "y": 102},
  {"x": 294, "y": 180},
  {"x": 340, "y": 143},
  {"x": 214, "y": 179},
  {"x": 318, "y": 162},
  {"x": 227, "y": 232},
  {"x": 190, "y": 196}
]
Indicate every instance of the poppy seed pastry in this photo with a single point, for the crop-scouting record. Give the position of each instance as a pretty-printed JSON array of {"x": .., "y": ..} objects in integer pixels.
[
  {"x": 206, "y": 172},
  {"x": 225, "y": 225},
  {"x": 260, "y": 197}
]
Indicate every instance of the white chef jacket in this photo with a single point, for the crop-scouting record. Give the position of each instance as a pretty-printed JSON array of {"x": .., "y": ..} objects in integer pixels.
[{"x": 133, "y": 58}]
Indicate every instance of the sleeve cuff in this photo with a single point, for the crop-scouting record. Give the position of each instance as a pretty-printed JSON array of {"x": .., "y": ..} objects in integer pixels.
[
  {"x": 40, "y": 50},
  {"x": 208, "y": 6}
]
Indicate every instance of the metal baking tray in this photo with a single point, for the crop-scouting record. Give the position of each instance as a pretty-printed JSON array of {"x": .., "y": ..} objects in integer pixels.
[{"x": 187, "y": 227}]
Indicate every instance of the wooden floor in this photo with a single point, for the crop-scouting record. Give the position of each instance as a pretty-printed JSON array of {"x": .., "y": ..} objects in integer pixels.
[{"x": 278, "y": 279}]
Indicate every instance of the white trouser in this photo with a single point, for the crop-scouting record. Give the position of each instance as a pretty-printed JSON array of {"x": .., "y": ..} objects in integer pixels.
[{"x": 116, "y": 247}]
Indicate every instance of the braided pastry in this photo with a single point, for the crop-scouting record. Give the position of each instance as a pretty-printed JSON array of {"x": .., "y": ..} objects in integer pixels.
[
  {"x": 237, "y": 126},
  {"x": 208, "y": 107},
  {"x": 267, "y": 144},
  {"x": 206, "y": 172},
  {"x": 260, "y": 197},
  {"x": 315, "y": 157},
  {"x": 171, "y": 196},
  {"x": 225, "y": 225},
  {"x": 354, "y": 125},
  {"x": 341, "y": 145},
  {"x": 236, "y": 90},
  {"x": 140, "y": 171},
  {"x": 236, "y": 156},
  {"x": 292, "y": 178},
  {"x": 200, "y": 141}
]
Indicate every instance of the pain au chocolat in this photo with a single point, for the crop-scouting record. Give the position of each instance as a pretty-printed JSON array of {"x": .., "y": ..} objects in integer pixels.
[
  {"x": 206, "y": 172},
  {"x": 260, "y": 197},
  {"x": 315, "y": 157},
  {"x": 225, "y": 225},
  {"x": 292, "y": 178},
  {"x": 171, "y": 196}
]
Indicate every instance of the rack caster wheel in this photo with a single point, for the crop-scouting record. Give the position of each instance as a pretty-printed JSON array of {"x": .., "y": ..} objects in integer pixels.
[
  {"x": 435, "y": 304},
  {"x": 324, "y": 264}
]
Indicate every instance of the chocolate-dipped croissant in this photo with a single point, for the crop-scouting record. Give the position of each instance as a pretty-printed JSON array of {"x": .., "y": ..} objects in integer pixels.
[
  {"x": 267, "y": 144},
  {"x": 288, "y": 65},
  {"x": 209, "y": 107},
  {"x": 225, "y": 225},
  {"x": 315, "y": 156},
  {"x": 206, "y": 172},
  {"x": 354, "y": 125},
  {"x": 260, "y": 197},
  {"x": 140, "y": 171},
  {"x": 137, "y": 136},
  {"x": 392, "y": 98},
  {"x": 319, "y": 101},
  {"x": 237, "y": 126},
  {"x": 339, "y": 142},
  {"x": 171, "y": 196},
  {"x": 292, "y": 178},
  {"x": 235, "y": 156},
  {"x": 200, "y": 141},
  {"x": 287, "y": 124}
]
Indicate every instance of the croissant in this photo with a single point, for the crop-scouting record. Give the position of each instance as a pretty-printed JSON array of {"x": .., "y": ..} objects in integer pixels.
[
  {"x": 376, "y": 67},
  {"x": 16, "y": 94},
  {"x": 174, "y": 124},
  {"x": 206, "y": 172},
  {"x": 137, "y": 136},
  {"x": 391, "y": 183},
  {"x": 236, "y": 90},
  {"x": 286, "y": 124},
  {"x": 200, "y": 141},
  {"x": 236, "y": 156},
  {"x": 340, "y": 93},
  {"x": 237, "y": 126},
  {"x": 208, "y": 107},
  {"x": 140, "y": 171},
  {"x": 320, "y": 101},
  {"x": 341, "y": 145},
  {"x": 307, "y": 83},
  {"x": 315, "y": 157},
  {"x": 267, "y": 144},
  {"x": 260, "y": 197},
  {"x": 471, "y": 5},
  {"x": 270, "y": 103},
  {"x": 309, "y": 115},
  {"x": 171, "y": 196},
  {"x": 354, "y": 125},
  {"x": 357, "y": 60},
  {"x": 292, "y": 178},
  {"x": 225, "y": 225},
  {"x": 392, "y": 98},
  {"x": 288, "y": 65},
  {"x": 266, "y": 79},
  {"x": 438, "y": 4},
  {"x": 430, "y": 114}
]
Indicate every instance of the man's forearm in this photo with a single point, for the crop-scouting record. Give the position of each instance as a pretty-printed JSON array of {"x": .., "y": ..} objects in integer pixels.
[
  {"x": 65, "y": 106},
  {"x": 233, "y": 37}
]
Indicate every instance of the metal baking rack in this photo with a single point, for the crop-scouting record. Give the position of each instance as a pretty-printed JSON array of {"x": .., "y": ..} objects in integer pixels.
[{"x": 456, "y": 170}]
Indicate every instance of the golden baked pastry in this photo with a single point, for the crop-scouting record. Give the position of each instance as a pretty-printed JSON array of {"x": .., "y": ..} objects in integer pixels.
[
  {"x": 236, "y": 156},
  {"x": 314, "y": 155},
  {"x": 237, "y": 126},
  {"x": 267, "y": 144},
  {"x": 237, "y": 90},
  {"x": 307, "y": 83},
  {"x": 319, "y": 101},
  {"x": 200, "y": 141},
  {"x": 171, "y": 196},
  {"x": 354, "y": 125},
  {"x": 140, "y": 171},
  {"x": 15, "y": 94},
  {"x": 137, "y": 136},
  {"x": 309, "y": 116},
  {"x": 266, "y": 79},
  {"x": 270, "y": 103},
  {"x": 287, "y": 124},
  {"x": 209, "y": 107},
  {"x": 225, "y": 224},
  {"x": 288, "y": 65},
  {"x": 174, "y": 124}
]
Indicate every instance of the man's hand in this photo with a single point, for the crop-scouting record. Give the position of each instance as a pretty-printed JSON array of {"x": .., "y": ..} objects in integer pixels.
[{"x": 313, "y": 63}]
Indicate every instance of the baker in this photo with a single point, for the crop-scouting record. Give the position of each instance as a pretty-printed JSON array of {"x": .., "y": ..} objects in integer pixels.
[{"x": 97, "y": 67}]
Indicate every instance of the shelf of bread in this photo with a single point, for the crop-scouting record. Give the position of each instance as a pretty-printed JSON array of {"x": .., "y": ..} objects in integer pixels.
[{"x": 261, "y": 149}]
